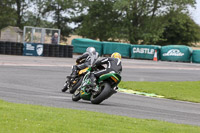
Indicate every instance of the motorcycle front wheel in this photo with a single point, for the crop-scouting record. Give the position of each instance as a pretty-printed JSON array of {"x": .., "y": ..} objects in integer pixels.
[
  {"x": 103, "y": 93},
  {"x": 65, "y": 87},
  {"x": 74, "y": 87},
  {"x": 76, "y": 96}
]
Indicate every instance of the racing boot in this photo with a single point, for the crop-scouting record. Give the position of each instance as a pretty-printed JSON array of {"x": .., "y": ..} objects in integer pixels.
[
  {"x": 66, "y": 85},
  {"x": 74, "y": 73},
  {"x": 92, "y": 85}
]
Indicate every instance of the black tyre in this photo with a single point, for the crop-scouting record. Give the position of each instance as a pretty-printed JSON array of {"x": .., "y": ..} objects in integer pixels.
[
  {"x": 65, "y": 87},
  {"x": 73, "y": 88},
  {"x": 104, "y": 93},
  {"x": 76, "y": 96}
]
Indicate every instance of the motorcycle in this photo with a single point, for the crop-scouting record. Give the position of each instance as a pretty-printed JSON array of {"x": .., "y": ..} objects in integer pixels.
[
  {"x": 73, "y": 84},
  {"x": 106, "y": 86}
]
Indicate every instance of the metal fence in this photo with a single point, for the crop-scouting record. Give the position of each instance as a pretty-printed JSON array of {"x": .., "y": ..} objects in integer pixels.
[{"x": 40, "y": 35}]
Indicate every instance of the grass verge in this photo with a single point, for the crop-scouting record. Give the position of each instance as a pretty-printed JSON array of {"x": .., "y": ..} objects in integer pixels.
[
  {"x": 20, "y": 118},
  {"x": 185, "y": 91}
]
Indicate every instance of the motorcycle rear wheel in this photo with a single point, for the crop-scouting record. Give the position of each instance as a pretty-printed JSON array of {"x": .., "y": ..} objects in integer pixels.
[{"x": 105, "y": 91}]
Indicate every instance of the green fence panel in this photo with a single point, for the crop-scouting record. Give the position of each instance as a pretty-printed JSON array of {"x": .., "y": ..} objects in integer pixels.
[
  {"x": 80, "y": 45},
  {"x": 177, "y": 53},
  {"x": 111, "y": 47},
  {"x": 144, "y": 51},
  {"x": 196, "y": 56}
]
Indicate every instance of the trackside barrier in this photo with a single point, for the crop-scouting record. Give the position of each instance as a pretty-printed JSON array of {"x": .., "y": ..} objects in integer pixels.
[
  {"x": 33, "y": 49},
  {"x": 47, "y": 50},
  {"x": 144, "y": 51},
  {"x": 80, "y": 45},
  {"x": 196, "y": 56},
  {"x": 167, "y": 53},
  {"x": 11, "y": 48},
  {"x": 111, "y": 47},
  {"x": 177, "y": 53}
]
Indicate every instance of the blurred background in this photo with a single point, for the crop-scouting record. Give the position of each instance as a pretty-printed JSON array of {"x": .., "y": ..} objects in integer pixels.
[{"x": 129, "y": 21}]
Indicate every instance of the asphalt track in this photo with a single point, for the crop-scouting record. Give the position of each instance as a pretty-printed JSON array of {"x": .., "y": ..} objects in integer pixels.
[{"x": 38, "y": 80}]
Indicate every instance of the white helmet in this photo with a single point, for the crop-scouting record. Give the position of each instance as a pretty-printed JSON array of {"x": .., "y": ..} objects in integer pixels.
[{"x": 91, "y": 50}]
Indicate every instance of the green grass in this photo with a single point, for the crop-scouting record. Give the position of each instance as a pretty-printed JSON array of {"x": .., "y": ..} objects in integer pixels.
[
  {"x": 20, "y": 118},
  {"x": 185, "y": 91}
]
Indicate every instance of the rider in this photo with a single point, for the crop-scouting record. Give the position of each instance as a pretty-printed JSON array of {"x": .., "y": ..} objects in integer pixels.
[
  {"x": 113, "y": 64},
  {"x": 84, "y": 60}
]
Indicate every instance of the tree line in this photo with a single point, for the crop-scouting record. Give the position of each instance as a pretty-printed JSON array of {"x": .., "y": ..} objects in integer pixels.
[{"x": 146, "y": 21}]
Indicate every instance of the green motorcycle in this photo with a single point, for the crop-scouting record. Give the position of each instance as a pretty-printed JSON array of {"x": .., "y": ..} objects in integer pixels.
[{"x": 105, "y": 88}]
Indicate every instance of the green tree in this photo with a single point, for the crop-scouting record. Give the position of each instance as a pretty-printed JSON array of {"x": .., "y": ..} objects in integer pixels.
[
  {"x": 21, "y": 9},
  {"x": 60, "y": 10},
  {"x": 16, "y": 12},
  {"x": 34, "y": 17},
  {"x": 7, "y": 13},
  {"x": 101, "y": 21},
  {"x": 139, "y": 17},
  {"x": 31, "y": 19},
  {"x": 39, "y": 6},
  {"x": 181, "y": 29}
]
